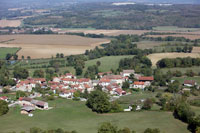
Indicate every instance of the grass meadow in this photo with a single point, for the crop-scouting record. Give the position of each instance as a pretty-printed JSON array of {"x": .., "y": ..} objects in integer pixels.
[
  {"x": 107, "y": 62},
  {"x": 5, "y": 51},
  {"x": 74, "y": 115}
]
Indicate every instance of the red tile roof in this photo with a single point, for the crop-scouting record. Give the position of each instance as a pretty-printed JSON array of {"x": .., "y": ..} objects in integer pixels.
[
  {"x": 191, "y": 82},
  {"x": 138, "y": 83},
  {"x": 146, "y": 78}
]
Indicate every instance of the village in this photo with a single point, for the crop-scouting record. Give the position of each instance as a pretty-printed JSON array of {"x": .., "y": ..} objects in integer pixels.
[{"x": 65, "y": 86}]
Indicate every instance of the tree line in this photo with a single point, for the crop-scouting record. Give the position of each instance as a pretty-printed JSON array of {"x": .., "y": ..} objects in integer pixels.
[{"x": 178, "y": 62}]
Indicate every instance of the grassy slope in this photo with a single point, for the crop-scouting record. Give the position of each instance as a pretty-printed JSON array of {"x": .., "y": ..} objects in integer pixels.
[
  {"x": 5, "y": 51},
  {"x": 71, "y": 115},
  {"x": 181, "y": 79},
  {"x": 107, "y": 63},
  {"x": 195, "y": 69}
]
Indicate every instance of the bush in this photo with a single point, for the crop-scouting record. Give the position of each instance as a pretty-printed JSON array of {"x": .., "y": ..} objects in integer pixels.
[
  {"x": 148, "y": 103},
  {"x": 3, "y": 107}
]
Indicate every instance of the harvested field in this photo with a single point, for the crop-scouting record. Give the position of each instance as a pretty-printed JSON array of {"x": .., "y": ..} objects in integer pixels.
[
  {"x": 156, "y": 57},
  {"x": 188, "y": 36},
  {"x": 196, "y": 50},
  {"x": 105, "y": 32},
  {"x": 10, "y": 23},
  {"x": 46, "y": 46}
]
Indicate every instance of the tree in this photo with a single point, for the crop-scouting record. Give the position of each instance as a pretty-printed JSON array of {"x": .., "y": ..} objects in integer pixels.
[
  {"x": 174, "y": 87},
  {"x": 115, "y": 107},
  {"x": 107, "y": 127},
  {"x": 28, "y": 57},
  {"x": 38, "y": 73},
  {"x": 98, "y": 101},
  {"x": 183, "y": 112},
  {"x": 8, "y": 56},
  {"x": 149, "y": 130},
  {"x": 3, "y": 107},
  {"x": 15, "y": 56},
  {"x": 57, "y": 55},
  {"x": 98, "y": 63},
  {"x": 147, "y": 104},
  {"x": 125, "y": 85},
  {"x": 61, "y": 55},
  {"x": 79, "y": 70},
  {"x": 22, "y": 57},
  {"x": 20, "y": 94},
  {"x": 76, "y": 95},
  {"x": 20, "y": 73}
]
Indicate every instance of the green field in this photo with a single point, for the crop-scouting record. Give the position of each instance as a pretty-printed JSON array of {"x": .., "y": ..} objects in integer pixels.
[
  {"x": 72, "y": 115},
  {"x": 174, "y": 28},
  {"x": 181, "y": 79},
  {"x": 196, "y": 110},
  {"x": 195, "y": 69},
  {"x": 5, "y": 51},
  {"x": 107, "y": 62}
]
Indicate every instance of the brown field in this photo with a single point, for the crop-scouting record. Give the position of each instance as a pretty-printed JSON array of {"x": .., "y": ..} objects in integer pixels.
[
  {"x": 156, "y": 57},
  {"x": 46, "y": 46},
  {"x": 105, "y": 32},
  {"x": 10, "y": 23},
  {"x": 196, "y": 50},
  {"x": 188, "y": 36}
]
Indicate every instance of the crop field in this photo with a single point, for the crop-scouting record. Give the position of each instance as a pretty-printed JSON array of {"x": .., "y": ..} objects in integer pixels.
[
  {"x": 10, "y": 23},
  {"x": 46, "y": 46},
  {"x": 148, "y": 44},
  {"x": 4, "y": 51},
  {"x": 158, "y": 56},
  {"x": 74, "y": 115},
  {"x": 196, "y": 50},
  {"x": 107, "y": 62},
  {"x": 105, "y": 32}
]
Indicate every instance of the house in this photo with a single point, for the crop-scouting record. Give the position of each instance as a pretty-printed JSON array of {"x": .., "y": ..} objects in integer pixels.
[
  {"x": 138, "y": 85},
  {"x": 101, "y": 74},
  {"x": 4, "y": 98},
  {"x": 40, "y": 104},
  {"x": 104, "y": 82},
  {"x": 26, "y": 101},
  {"x": 120, "y": 92},
  {"x": 127, "y": 73},
  {"x": 27, "y": 109},
  {"x": 115, "y": 78},
  {"x": 189, "y": 83}
]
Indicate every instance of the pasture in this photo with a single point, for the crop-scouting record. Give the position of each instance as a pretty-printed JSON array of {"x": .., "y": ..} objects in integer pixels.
[
  {"x": 107, "y": 62},
  {"x": 46, "y": 46},
  {"x": 181, "y": 79},
  {"x": 158, "y": 56},
  {"x": 74, "y": 115},
  {"x": 4, "y": 51},
  {"x": 10, "y": 23}
]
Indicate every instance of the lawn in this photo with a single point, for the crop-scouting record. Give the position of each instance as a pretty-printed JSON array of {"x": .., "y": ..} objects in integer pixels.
[
  {"x": 72, "y": 115},
  {"x": 196, "y": 110},
  {"x": 107, "y": 62},
  {"x": 5, "y": 51},
  {"x": 181, "y": 79}
]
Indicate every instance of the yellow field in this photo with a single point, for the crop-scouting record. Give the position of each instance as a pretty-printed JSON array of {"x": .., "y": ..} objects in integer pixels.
[
  {"x": 156, "y": 57},
  {"x": 105, "y": 32},
  {"x": 46, "y": 46},
  {"x": 10, "y": 23},
  {"x": 196, "y": 50}
]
